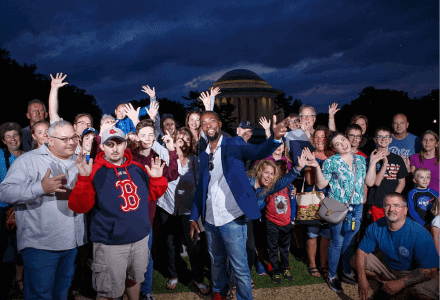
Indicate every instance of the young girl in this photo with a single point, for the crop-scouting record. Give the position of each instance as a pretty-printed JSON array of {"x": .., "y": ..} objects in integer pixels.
[
  {"x": 435, "y": 225},
  {"x": 280, "y": 215}
]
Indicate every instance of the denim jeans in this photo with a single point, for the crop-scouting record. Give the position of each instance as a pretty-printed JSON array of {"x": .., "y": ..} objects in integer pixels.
[
  {"x": 229, "y": 241},
  {"x": 342, "y": 243},
  {"x": 48, "y": 274},
  {"x": 147, "y": 284}
]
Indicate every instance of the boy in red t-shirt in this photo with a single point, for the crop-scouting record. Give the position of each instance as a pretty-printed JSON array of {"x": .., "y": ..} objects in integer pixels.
[{"x": 280, "y": 214}]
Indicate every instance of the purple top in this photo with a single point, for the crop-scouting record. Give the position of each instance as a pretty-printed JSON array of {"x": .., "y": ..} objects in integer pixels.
[{"x": 430, "y": 165}]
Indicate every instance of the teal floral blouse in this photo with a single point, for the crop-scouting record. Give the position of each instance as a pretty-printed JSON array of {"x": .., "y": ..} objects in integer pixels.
[{"x": 341, "y": 178}]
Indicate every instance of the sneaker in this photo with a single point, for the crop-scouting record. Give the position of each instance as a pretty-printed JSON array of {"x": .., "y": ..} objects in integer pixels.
[
  {"x": 334, "y": 284},
  {"x": 276, "y": 278},
  {"x": 260, "y": 268},
  {"x": 146, "y": 297},
  {"x": 184, "y": 253},
  {"x": 216, "y": 296},
  {"x": 349, "y": 278},
  {"x": 287, "y": 275}
]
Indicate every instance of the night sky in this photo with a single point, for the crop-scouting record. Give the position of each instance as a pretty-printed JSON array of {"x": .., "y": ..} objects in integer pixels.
[{"x": 316, "y": 51}]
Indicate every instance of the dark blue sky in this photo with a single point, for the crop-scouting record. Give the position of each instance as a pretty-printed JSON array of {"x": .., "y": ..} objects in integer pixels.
[{"x": 317, "y": 51}]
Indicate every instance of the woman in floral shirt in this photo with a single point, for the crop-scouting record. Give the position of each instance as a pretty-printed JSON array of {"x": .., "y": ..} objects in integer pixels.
[{"x": 338, "y": 171}]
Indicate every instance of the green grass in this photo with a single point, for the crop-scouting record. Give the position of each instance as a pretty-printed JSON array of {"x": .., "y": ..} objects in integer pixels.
[{"x": 297, "y": 269}]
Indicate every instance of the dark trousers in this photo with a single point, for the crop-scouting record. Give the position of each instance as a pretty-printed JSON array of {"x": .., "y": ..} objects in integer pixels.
[
  {"x": 278, "y": 237},
  {"x": 172, "y": 229}
]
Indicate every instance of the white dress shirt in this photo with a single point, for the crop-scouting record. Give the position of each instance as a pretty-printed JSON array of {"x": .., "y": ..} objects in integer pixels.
[{"x": 221, "y": 207}]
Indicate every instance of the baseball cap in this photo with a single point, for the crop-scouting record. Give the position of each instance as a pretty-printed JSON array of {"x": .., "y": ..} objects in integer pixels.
[
  {"x": 246, "y": 124},
  {"x": 89, "y": 130},
  {"x": 111, "y": 133}
]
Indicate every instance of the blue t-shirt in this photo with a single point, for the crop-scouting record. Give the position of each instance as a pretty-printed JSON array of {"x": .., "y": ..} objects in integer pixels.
[
  {"x": 411, "y": 245},
  {"x": 408, "y": 146}
]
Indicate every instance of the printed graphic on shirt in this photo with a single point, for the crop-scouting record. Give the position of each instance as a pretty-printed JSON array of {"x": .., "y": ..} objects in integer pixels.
[
  {"x": 403, "y": 251},
  {"x": 425, "y": 203},
  {"x": 391, "y": 172},
  {"x": 402, "y": 151},
  {"x": 280, "y": 204},
  {"x": 129, "y": 195}
]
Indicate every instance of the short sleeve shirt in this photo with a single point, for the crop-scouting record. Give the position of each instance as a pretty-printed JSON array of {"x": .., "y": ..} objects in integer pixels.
[
  {"x": 3, "y": 169},
  {"x": 410, "y": 246},
  {"x": 342, "y": 178}
]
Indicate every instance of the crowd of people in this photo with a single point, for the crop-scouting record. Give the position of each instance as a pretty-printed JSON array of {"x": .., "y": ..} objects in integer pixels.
[{"x": 72, "y": 196}]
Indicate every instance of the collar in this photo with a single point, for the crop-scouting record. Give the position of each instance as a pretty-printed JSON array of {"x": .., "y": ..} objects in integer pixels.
[{"x": 219, "y": 144}]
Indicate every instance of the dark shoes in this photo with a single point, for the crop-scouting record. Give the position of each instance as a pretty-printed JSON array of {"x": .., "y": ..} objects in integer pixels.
[
  {"x": 276, "y": 279},
  {"x": 287, "y": 276},
  {"x": 349, "y": 278},
  {"x": 334, "y": 284}
]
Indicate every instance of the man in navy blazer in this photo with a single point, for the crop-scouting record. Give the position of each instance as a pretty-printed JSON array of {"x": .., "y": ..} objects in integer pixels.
[{"x": 224, "y": 198}]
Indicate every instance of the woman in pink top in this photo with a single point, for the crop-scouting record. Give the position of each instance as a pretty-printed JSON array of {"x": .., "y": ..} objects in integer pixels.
[{"x": 428, "y": 158}]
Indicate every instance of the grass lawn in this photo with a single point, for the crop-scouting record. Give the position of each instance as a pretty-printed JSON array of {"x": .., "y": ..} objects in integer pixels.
[{"x": 298, "y": 269}]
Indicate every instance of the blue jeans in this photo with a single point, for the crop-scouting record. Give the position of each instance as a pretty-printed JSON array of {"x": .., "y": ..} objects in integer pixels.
[
  {"x": 147, "y": 284},
  {"x": 48, "y": 274},
  {"x": 229, "y": 241},
  {"x": 342, "y": 243}
]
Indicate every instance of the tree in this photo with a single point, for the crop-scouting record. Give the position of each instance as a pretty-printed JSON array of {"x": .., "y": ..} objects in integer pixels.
[
  {"x": 226, "y": 113},
  {"x": 25, "y": 84},
  {"x": 194, "y": 103}
]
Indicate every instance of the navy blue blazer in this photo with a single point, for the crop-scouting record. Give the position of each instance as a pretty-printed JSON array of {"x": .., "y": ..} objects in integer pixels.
[{"x": 232, "y": 156}]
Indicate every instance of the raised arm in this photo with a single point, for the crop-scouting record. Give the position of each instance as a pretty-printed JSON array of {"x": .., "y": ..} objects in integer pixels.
[
  {"x": 382, "y": 170},
  {"x": 55, "y": 84},
  {"x": 332, "y": 110},
  {"x": 320, "y": 181},
  {"x": 132, "y": 113},
  {"x": 266, "y": 125},
  {"x": 371, "y": 176}
]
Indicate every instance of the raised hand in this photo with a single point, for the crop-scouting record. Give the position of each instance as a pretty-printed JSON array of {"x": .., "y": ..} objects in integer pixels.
[
  {"x": 264, "y": 123},
  {"x": 54, "y": 184},
  {"x": 206, "y": 99},
  {"x": 131, "y": 112},
  {"x": 168, "y": 141},
  {"x": 407, "y": 161},
  {"x": 57, "y": 81},
  {"x": 151, "y": 92},
  {"x": 280, "y": 129},
  {"x": 215, "y": 91},
  {"x": 311, "y": 159},
  {"x": 84, "y": 168},
  {"x": 302, "y": 160},
  {"x": 156, "y": 169},
  {"x": 154, "y": 108},
  {"x": 378, "y": 155},
  {"x": 106, "y": 125},
  {"x": 333, "y": 109}
]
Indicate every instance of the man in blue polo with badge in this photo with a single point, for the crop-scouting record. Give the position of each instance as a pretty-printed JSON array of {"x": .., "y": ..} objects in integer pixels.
[{"x": 406, "y": 260}]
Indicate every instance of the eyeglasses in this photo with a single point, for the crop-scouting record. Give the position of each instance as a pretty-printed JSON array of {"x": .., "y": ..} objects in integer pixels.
[
  {"x": 380, "y": 137},
  {"x": 307, "y": 116},
  {"x": 85, "y": 124},
  {"x": 74, "y": 138},
  {"x": 211, "y": 161},
  {"x": 352, "y": 136},
  {"x": 398, "y": 206},
  {"x": 294, "y": 121}
]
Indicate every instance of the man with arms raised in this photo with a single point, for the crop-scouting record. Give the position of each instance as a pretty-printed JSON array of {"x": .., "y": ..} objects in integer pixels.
[
  {"x": 407, "y": 259},
  {"x": 48, "y": 232},
  {"x": 224, "y": 198},
  {"x": 117, "y": 190}
]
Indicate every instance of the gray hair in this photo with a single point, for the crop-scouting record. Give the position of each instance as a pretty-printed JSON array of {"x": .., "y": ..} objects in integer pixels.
[
  {"x": 304, "y": 106},
  {"x": 106, "y": 116},
  {"x": 398, "y": 195},
  {"x": 55, "y": 125},
  {"x": 36, "y": 101}
]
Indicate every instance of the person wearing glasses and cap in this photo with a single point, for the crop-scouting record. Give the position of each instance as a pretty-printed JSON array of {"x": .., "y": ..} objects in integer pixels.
[
  {"x": 49, "y": 233},
  {"x": 224, "y": 198},
  {"x": 406, "y": 259}
]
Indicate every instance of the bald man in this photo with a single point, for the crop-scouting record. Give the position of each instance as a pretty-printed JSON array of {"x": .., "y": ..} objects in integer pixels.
[{"x": 403, "y": 143}]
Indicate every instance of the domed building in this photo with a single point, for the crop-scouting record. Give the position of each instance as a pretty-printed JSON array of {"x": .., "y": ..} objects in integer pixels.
[{"x": 252, "y": 96}]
